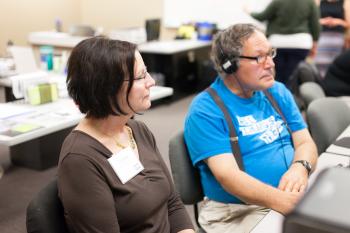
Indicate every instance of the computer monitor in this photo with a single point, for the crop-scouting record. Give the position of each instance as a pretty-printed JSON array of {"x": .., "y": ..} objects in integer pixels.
[
  {"x": 325, "y": 208},
  {"x": 152, "y": 29}
]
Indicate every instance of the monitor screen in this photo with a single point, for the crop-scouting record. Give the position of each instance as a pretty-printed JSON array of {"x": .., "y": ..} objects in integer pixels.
[{"x": 152, "y": 29}]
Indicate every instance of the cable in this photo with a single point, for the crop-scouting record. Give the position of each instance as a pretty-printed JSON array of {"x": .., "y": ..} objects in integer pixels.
[
  {"x": 241, "y": 86},
  {"x": 282, "y": 144}
]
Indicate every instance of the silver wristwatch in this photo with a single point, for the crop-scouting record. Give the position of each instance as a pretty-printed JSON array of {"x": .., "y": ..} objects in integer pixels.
[{"x": 306, "y": 164}]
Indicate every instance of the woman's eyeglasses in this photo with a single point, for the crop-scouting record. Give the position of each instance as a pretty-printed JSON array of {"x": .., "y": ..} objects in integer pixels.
[{"x": 140, "y": 77}]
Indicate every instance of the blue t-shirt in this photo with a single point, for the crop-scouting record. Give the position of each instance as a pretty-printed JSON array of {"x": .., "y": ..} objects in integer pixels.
[{"x": 265, "y": 143}]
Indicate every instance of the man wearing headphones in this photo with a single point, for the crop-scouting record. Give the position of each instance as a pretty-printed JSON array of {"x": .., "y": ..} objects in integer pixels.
[{"x": 275, "y": 163}]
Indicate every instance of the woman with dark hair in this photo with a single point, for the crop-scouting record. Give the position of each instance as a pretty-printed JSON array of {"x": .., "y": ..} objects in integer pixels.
[{"x": 111, "y": 177}]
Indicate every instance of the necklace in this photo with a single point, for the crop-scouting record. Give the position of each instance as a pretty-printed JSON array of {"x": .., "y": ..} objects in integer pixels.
[{"x": 131, "y": 140}]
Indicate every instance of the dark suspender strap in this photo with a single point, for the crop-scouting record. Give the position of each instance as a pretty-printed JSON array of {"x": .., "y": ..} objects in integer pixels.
[
  {"x": 232, "y": 131},
  {"x": 277, "y": 108}
]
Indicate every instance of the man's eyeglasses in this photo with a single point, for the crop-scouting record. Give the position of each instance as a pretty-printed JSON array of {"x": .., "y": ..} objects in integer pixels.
[{"x": 262, "y": 58}]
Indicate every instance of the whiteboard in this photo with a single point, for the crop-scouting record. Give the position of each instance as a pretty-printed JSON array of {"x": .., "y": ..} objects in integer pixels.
[{"x": 222, "y": 12}]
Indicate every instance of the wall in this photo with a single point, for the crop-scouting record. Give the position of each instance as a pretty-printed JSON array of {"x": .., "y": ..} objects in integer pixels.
[
  {"x": 112, "y": 14},
  {"x": 20, "y": 17},
  {"x": 224, "y": 12}
]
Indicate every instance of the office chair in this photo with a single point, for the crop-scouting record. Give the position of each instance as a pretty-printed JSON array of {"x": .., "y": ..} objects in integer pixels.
[
  {"x": 310, "y": 91},
  {"x": 327, "y": 117},
  {"x": 45, "y": 212},
  {"x": 304, "y": 72},
  {"x": 186, "y": 177}
]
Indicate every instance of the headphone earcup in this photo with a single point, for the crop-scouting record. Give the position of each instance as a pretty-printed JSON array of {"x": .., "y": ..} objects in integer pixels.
[{"x": 229, "y": 66}]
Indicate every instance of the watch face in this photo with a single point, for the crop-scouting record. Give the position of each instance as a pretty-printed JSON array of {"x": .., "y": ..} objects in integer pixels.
[{"x": 306, "y": 164}]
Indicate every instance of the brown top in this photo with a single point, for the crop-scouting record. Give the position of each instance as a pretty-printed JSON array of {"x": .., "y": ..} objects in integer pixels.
[{"x": 95, "y": 200}]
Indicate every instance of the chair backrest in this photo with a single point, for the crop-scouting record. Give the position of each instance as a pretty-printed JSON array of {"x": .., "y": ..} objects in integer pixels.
[
  {"x": 186, "y": 177},
  {"x": 327, "y": 118},
  {"x": 304, "y": 72},
  {"x": 310, "y": 91},
  {"x": 45, "y": 212}
]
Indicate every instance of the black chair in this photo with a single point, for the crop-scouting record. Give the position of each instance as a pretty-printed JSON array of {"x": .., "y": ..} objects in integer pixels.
[
  {"x": 45, "y": 212},
  {"x": 186, "y": 177}
]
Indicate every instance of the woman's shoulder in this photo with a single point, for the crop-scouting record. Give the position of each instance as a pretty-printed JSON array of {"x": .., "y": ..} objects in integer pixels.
[{"x": 82, "y": 145}]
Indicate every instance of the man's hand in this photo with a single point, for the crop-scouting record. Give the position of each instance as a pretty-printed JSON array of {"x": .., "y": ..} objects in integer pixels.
[
  {"x": 295, "y": 179},
  {"x": 287, "y": 201}
]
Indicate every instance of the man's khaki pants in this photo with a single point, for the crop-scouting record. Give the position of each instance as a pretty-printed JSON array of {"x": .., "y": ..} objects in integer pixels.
[{"x": 217, "y": 217}]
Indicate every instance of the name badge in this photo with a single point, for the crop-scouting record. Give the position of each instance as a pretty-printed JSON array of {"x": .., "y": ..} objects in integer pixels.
[{"x": 125, "y": 164}]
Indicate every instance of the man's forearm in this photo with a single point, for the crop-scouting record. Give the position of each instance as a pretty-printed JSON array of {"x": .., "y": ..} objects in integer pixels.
[
  {"x": 253, "y": 191},
  {"x": 307, "y": 151},
  {"x": 305, "y": 148}
]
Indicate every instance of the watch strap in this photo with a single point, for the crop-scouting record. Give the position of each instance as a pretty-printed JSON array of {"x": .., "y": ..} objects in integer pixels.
[{"x": 306, "y": 164}]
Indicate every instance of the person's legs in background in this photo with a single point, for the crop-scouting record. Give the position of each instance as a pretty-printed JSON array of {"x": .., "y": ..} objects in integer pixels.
[
  {"x": 286, "y": 61},
  {"x": 280, "y": 62},
  {"x": 329, "y": 46}
]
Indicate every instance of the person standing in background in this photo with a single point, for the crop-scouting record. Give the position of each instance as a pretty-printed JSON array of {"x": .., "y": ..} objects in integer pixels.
[
  {"x": 335, "y": 21},
  {"x": 293, "y": 28}
]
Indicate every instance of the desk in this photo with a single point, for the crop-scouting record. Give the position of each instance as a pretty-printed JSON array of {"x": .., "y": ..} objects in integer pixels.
[
  {"x": 156, "y": 93},
  {"x": 178, "y": 60},
  {"x": 38, "y": 148},
  {"x": 56, "y": 39},
  {"x": 338, "y": 149},
  {"x": 273, "y": 221}
]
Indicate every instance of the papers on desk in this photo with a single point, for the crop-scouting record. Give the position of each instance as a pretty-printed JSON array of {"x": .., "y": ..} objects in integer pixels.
[
  {"x": 9, "y": 125},
  {"x": 17, "y": 118},
  {"x": 341, "y": 146},
  {"x": 8, "y": 111},
  {"x": 24, "y": 59},
  {"x": 21, "y": 83},
  {"x": 7, "y": 129}
]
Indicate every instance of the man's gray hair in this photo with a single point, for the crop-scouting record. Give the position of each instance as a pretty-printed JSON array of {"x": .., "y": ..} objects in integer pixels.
[{"x": 229, "y": 43}]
